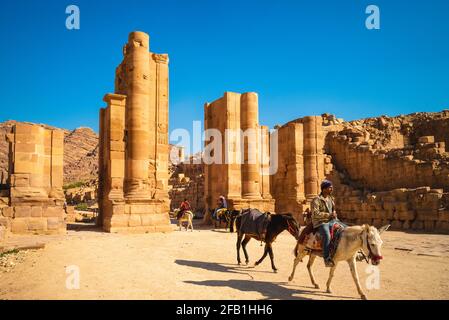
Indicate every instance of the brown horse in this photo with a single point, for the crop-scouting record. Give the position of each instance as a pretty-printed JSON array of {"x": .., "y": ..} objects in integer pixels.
[{"x": 277, "y": 224}]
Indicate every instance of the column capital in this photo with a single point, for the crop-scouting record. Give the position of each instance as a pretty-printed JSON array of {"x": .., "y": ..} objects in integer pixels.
[
  {"x": 113, "y": 98},
  {"x": 160, "y": 58}
]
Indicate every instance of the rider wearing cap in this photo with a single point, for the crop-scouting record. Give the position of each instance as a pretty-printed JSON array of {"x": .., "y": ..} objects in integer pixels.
[{"x": 324, "y": 216}]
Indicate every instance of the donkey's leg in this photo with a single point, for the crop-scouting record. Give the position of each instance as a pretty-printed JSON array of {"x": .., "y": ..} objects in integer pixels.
[
  {"x": 239, "y": 241},
  {"x": 244, "y": 243},
  {"x": 265, "y": 252},
  {"x": 301, "y": 254},
  {"x": 331, "y": 275},
  {"x": 191, "y": 223},
  {"x": 309, "y": 268},
  {"x": 355, "y": 276},
  {"x": 270, "y": 252}
]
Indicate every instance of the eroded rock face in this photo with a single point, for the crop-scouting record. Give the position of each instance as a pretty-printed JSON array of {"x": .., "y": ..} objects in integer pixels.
[
  {"x": 393, "y": 171},
  {"x": 80, "y": 156},
  {"x": 384, "y": 153}
]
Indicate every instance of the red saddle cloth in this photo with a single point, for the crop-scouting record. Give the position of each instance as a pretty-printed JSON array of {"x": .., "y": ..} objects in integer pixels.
[{"x": 313, "y": 239}]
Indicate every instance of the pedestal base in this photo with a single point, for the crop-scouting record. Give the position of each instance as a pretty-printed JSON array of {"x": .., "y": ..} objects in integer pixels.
[
  {"x": 264, "y": 205},
  {"x": 141, "y": 217}
]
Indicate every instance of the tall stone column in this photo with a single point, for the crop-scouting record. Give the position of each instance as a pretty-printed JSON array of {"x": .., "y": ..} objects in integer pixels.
[
  {"x": 137, "y": 116},
  {"x": 313, "y": 153},
  {"x": 265, "y": 162},
  {"x": 250, "y": 167}
]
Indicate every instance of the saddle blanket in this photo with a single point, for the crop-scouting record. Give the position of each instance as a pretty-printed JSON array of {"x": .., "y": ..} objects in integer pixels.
[
  {"x": 254, "y": 222},
  {"x": 314, "y": 240}
]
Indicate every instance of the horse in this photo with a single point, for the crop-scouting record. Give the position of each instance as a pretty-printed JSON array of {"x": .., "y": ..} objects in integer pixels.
[
  {"x": 353, "y": 240},
  {"x": 277, "y": 224},
  {"x": 187, "y": 216}
]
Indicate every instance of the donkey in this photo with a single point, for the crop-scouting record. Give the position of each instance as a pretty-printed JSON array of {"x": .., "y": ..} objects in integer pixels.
[
  {"x": 227, "y": 217},
  {"x": 353, "y": 239},
  {"x": 277, "y": 224},
  {"x": 187, "y": 216}
]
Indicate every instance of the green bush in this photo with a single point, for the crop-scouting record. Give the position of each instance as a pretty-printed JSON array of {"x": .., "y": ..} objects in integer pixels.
[
  {"x": 81, "y": 207},
  {"x": 74, "y": 185}
]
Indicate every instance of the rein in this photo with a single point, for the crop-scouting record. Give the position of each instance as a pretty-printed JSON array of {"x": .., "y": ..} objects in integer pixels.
[
  {"x": 371, "y": 255},
  {"x": 291, "y": 230}
]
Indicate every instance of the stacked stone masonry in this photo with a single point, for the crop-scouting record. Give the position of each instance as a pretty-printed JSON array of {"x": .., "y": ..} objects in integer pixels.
[
  {"x": 134, "y": 149},
  {"x": 32, "y": 200},
  {"x": 240, "y": 175},
  {"x": 187, "y": 182}
]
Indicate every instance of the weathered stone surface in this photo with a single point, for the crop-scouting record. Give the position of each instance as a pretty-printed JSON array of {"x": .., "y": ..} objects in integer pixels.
[
  {"x": 35, "y": 177},
  {"x": 135, "y": 120},
  {"x": 238, "y": 173}
]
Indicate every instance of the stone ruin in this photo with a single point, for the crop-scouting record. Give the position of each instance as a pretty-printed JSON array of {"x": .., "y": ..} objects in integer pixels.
[
  {"x": 393, "y": 170},
  {"x": 386, "y": 169},
  {"x": 187, "y": 182},
  {"x": 244, "y": 183},
  {"x": 32, "y": 201},
  {"x": 133, "y": 157}
]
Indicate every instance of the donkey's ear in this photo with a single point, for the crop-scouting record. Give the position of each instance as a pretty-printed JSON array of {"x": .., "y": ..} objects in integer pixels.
[{"x": 384, "y": 228}]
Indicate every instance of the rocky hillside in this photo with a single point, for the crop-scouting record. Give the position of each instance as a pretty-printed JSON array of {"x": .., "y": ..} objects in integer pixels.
[{"x": 80, "y": 153}]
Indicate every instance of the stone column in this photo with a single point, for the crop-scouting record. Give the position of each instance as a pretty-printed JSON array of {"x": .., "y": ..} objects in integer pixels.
[
  {"x": 250, "y": 167},
  {"x": 312, "y": 151},
  {"x": 161, "y": 127},
  {"x": 265, "y": 162},
  {"x": 137, "y": 116}
]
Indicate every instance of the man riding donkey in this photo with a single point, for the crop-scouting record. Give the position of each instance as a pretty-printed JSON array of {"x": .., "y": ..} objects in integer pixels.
[
  {"x": 221, "y": 209},
  {"x": 324, "y": 219},
  {"x": 185, "y": 206}
]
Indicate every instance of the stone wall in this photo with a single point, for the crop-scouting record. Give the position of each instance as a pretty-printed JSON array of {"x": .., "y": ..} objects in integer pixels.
[
  {"x": 392, "y": 171},
  {"x": 379, "y": 169},
  {"x": 187, "y": 182},
  {"x": 405, "y": 209},
  {"x": 34, "y": 201}
]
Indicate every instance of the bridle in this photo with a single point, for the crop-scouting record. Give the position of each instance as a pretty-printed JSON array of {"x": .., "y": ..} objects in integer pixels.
[
  {"x": 292, "y": 230},
  {"x": 374, "y": 257}
]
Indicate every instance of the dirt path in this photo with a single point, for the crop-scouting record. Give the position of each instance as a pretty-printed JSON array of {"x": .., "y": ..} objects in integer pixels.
[{"x": 202, "y": 265}]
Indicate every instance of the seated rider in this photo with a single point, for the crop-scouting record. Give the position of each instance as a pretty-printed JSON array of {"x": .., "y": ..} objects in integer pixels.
[
  {"x": 324, "y": 217},
  {"x": 185, "y": 206},
  {"x": 222, "y": 206}
]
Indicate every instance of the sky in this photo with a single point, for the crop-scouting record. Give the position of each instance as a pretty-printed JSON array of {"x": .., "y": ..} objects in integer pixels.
[{"x": 301, "y": 57}]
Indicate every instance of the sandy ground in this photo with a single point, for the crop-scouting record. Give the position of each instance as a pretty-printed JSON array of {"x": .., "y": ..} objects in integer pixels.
[{"x": 202, "y": 265}]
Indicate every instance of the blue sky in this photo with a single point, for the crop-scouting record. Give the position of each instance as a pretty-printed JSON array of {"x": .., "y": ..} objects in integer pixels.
[{"x": 302, "y": 57}]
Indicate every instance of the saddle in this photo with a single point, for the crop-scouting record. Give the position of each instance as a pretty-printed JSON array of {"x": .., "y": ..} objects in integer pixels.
[
  {"x": 311, "y": 238},
  {"x": 254, "y": 222}
]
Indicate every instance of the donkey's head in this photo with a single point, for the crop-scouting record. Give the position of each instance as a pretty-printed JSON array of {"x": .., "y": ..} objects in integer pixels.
[
  {"x": 290, "y": 224},
  {"x": 372, "y": 243}
]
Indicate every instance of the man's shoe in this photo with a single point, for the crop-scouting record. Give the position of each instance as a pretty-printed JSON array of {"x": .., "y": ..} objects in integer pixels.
[{"x": 329, "y": 263}]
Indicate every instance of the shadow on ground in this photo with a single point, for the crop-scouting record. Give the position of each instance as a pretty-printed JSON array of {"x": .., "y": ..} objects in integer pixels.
[
  {"x": 81, "y": 226},
  {"x": 270, "y": 290}
]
